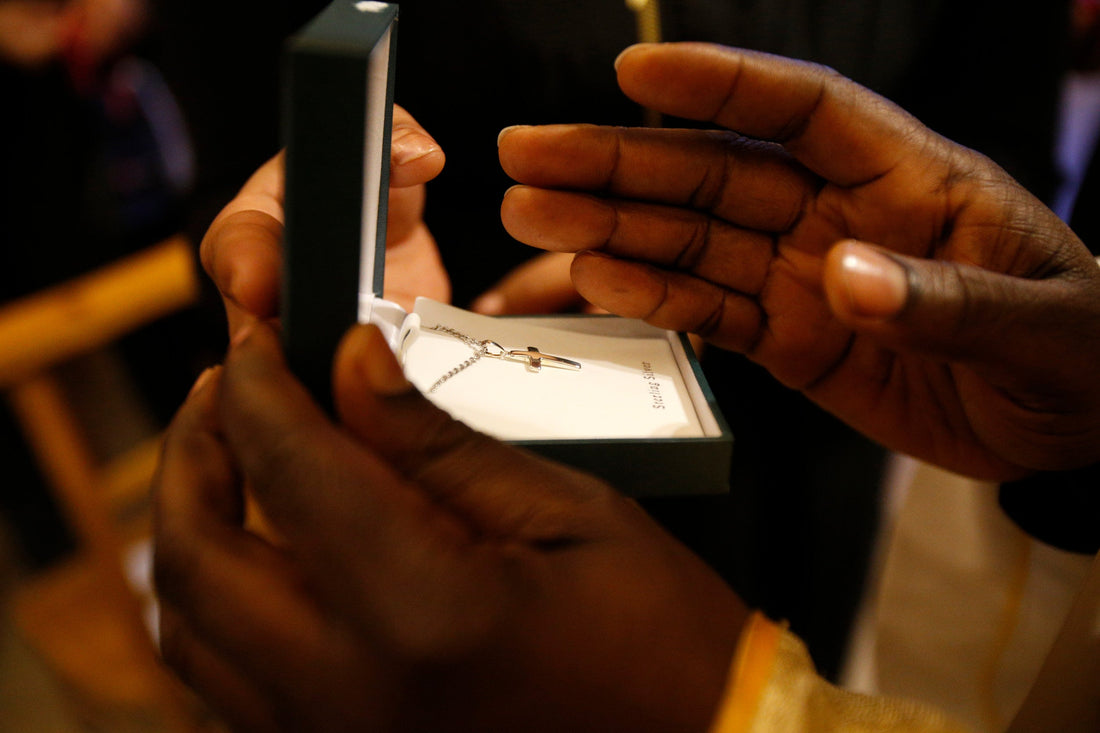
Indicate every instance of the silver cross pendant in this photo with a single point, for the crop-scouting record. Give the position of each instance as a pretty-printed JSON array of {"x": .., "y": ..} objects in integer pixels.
[{"x": 531, "y": 356}]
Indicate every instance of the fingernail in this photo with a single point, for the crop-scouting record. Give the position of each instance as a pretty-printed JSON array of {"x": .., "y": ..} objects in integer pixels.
[
  {"x": 410, "y": 146},
  {"x": 379, "y": 366},
  {"x": 624, "y": 52},
  {"x": 490, "y": 304},
  {"x": 509, "y": 130},
  {"x": 876, "y": 285},
  {"x": 202, "y": 380}
]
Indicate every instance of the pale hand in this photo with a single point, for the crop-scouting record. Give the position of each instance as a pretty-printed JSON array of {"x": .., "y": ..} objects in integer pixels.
[{"x": 242, "y": 250}]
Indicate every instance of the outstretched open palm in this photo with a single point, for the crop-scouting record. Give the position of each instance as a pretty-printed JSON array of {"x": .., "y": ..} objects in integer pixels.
[{"x": 903, "y": 282}]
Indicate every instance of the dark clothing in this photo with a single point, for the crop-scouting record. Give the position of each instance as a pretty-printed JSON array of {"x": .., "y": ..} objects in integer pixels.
[
  {"x": 982, "y": 73},
  {"x": 1061, "y": 509}
]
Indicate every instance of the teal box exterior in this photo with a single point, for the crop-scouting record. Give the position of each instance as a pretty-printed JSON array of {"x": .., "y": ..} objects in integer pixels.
[{"x": 328, "y": 92}]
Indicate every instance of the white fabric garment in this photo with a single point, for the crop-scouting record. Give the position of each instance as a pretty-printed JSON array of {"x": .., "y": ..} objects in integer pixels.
[
  {"x": 966, "y": 605},
  {"x": 1066, "y": 696}
]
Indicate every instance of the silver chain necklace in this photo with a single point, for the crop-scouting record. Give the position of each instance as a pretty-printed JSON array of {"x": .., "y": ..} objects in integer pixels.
[{"x": 531, "y": 356}]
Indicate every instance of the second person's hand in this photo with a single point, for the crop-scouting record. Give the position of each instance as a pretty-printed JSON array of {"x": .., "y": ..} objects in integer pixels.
[
  {"x": 242, "y": 250},
  {"x": 901, "y": 281}
]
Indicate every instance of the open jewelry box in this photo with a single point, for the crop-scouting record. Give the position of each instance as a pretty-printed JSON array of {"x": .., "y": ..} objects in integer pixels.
[{"x": 612, "y": 396}]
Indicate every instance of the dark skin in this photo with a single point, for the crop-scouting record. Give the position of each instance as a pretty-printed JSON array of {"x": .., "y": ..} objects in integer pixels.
[
  {"x": 757, "y": 243},
  {"x": 420, "y": 576},
  {"x": 424, "y": 565}
]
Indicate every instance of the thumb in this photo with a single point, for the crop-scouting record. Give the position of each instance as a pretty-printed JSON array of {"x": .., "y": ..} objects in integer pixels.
[
  {"x": 945, "y": 310},
  {"x": 501, "y": 489}
]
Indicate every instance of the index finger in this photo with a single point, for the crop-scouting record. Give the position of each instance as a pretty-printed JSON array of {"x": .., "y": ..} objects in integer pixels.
[
  {"x": 836, "y": 128},
  {"x": 747, "y": 182}
]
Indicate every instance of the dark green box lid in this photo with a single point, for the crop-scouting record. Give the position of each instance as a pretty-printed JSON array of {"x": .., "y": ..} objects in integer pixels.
[{"x": 337, "y": 116}]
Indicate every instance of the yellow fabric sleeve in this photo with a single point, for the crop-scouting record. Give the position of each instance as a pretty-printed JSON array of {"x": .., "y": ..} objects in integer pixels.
[{"x": 773, "y": 688}]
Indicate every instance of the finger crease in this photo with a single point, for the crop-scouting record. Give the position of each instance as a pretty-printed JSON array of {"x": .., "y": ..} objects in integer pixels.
[
  {"x": 708, "y": 193},
  {"x": 615, "y": 224},
  {"x": 792, "y": 132},
  {"x": 616, "y": 161},
  {"x": 764, "y": 326},
  {"x": 731, "y": 92},
  {"x": 711, "y": 323},
  {"x": 809, "y": 198},
  {"x": 660, "y": 301},
  {"x": 691, "y": 254},
  {"x": 831, "y": 367}
]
